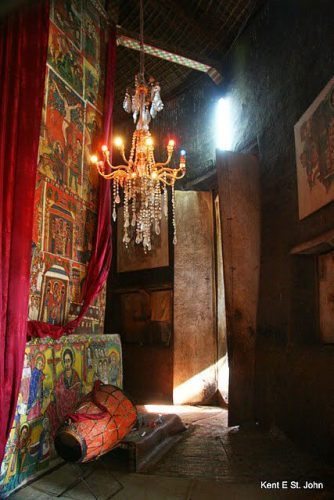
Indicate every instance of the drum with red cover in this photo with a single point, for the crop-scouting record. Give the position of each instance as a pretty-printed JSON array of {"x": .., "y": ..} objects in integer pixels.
[{"x": 100, "y": 422}]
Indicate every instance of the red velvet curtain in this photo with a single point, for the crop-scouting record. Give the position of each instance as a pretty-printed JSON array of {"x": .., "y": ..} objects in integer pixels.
[
  {"x": 23, "y": 52},
  {"x": 100, "y": 260}
]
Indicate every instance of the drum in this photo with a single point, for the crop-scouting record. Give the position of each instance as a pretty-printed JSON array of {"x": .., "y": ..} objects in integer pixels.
[{"x": 100, "y": 422}]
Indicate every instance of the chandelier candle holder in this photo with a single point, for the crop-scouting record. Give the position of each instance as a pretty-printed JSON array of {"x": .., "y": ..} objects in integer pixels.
[{"x": 141, "y": 180}]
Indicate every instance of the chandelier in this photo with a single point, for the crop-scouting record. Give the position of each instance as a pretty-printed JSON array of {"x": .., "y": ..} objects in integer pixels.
[{"x": 141, "y": 180}]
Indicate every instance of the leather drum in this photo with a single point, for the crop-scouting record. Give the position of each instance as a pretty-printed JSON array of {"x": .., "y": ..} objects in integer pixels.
[{"x": 100, "y": 422}]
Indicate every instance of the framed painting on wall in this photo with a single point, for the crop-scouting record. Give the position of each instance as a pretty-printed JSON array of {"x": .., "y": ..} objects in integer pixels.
[
  {"x": 314, "y": 141},
  {"x": 134, "y": 258}
]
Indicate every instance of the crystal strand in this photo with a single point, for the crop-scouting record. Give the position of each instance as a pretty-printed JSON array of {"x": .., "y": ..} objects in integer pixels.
[
  {"x": 151, "y": 202},
  {"x": 117, "y": 199},
  {"x": 159, "y": 202},
  {"x": 126, "y": 238},
  {"x": 126, "y": 204},
  {"x": 157, "y": 208},
  {"x": 165, "y": 198},
  {"x": 114, "y": 214},
  {"x": 133, "y": 221},
  {"x": 173, "y": 215}
]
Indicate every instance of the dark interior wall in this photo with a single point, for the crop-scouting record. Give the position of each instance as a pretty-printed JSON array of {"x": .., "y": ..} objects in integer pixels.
[
  {"x": 147, "y": 367},
  {"x": 189, "y": 119},
  {"x": 274, "y": 72}
]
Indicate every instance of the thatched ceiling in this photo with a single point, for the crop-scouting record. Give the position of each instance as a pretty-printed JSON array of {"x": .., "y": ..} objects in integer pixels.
[{"x": 199, "y": 29}]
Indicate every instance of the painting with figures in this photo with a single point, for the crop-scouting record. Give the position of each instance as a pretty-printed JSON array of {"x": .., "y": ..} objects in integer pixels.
[
  {"x": 61, "y": 144},
  {"x": 67, "y": 15},
  {"x": 65, "y": 59},
  {"x": 56, "y": 375},
  {"x": 314, "y": 140}
]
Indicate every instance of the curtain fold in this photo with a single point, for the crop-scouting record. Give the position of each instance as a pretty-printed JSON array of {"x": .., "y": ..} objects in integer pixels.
[
  {"x": 23, "y": 52},
  {"x": 100, "y": 260}
]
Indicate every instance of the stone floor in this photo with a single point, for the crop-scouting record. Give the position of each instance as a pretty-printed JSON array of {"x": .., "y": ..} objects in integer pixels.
[{"x": 211, "y": 461}]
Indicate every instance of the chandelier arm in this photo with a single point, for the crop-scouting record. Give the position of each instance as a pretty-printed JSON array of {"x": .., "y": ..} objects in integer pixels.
[
  {"x": 163, "y": 164},
  {"x": 172, "y": 172},
  {"x": 119, "y": 167},
  {"x": 113, "y": 175},
  {"x": 169, "y": 179},
  {"x": 123, "y": 156}
]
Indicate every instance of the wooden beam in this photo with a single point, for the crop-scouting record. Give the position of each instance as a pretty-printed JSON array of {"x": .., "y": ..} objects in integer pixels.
[
  {"x": 207, "y": 179},
  {"x": 156, "y": 49},
  {"x": 315, "y": 246}
]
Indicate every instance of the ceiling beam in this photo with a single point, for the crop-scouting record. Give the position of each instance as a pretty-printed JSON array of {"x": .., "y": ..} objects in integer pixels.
[{"x": 184, "y": 58}]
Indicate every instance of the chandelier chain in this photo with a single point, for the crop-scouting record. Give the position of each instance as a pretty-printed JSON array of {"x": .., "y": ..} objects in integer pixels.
[
  {"x": 140, "y": 183},
  {"x": 142, "y": 51}
]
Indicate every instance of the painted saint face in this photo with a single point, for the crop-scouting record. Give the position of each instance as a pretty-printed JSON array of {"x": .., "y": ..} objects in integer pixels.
[
  {"x": 67, "y": 362},
  {"x": 24, "y": 432},
  {"x": 39, "y": 364}
]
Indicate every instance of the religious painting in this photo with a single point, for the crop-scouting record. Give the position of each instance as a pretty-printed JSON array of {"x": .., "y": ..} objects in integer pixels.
[
  {"x": 60, "y": 149},
  {"x": 67, "y": 16},
  {"x": 60, "y": 231},
  {"x": 77, "y": 278},
  {"x": 84, "y": 231},
  {"x": 89, "y": 232},
  {"x": 79, "y": 224},
  {"x": 64, "y": 58},
  {"x": 60, "y": 240},
  {"x": 54, "y": 296},
  {"x": 93, "y": 133},
  {"x": 133, "y": 257},
  {"x": 99, "y": 304},
  {"x": 92, "y": 34},
  {"x": 37, "y": 233},
  {"x": 93, "y": 85},
  {"x": 105, "y": 363},
  {"x": 326, "y": 297},
  {"x": 68, "y": 386},
  {"x": 56, "y": 374},
  {"x": 36, "y": 278},
  {"x": 93, "y": 320},
  {"x": 314, "y": 139},
  {"x": 35, "y": 398}
]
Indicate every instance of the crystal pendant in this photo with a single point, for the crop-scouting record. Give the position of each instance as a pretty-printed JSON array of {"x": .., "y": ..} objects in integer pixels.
[
  {"x": 127, "y": 105},
  {"x": 114, "y": 216}
]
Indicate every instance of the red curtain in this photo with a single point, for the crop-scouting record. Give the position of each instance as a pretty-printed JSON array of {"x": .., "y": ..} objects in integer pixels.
[
  {"x": 23, "y": 52},
  {"x": 100, "y": 260}
]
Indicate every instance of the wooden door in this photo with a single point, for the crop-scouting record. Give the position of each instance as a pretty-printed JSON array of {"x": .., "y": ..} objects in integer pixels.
[
  {"x": 195, "y": 351},
  {"x": 238, "y": 186}
]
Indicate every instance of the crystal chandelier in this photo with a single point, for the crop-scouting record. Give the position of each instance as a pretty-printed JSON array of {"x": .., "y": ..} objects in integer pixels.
[{"x": 141, "y": 180}]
